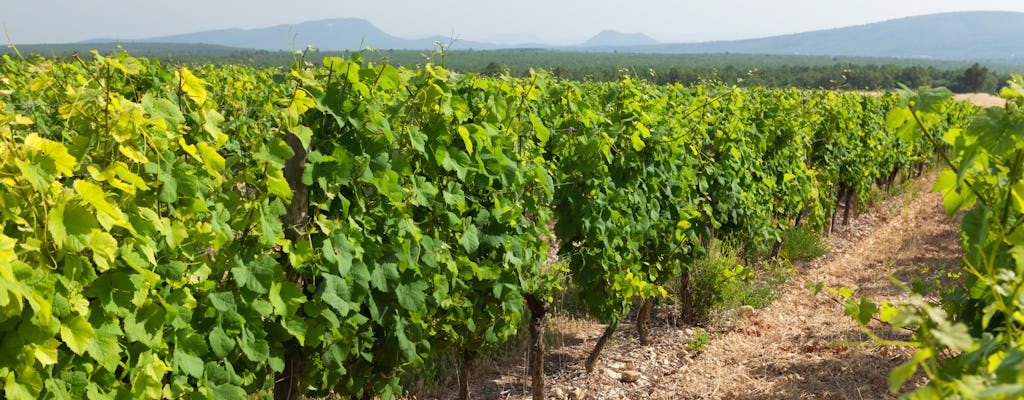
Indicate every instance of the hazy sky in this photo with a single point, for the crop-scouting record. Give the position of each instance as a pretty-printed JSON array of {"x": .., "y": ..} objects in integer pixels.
[{"x": 556, "y": 21}]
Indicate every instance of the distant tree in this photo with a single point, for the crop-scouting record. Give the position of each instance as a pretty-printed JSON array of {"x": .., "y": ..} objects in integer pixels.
[
  {"x": 914, "y": 77},
  {"x": 974, "y": 78},
  {"x": 494, "y": 69}
]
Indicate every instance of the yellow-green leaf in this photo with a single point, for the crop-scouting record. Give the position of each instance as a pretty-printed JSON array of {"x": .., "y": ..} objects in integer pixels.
[
  {"x": 148, "y": 376},
  {"x": 22, "y": 120},
  {"x": 542, "y": 132},
  {"x": 94, "y": 195},
  {"x": 278, "y": 185},
  {"x": 46, "y": 352},
  {"x": 193, "y": 87},
  {"x": 212, "y": 126},
  {"x": 212, "y": 160},
  {"x": 133, "y": 154},
  {"x": 46, "y": 161},
  {"x": 76, "y": 334},
  {"x": 464, "y": 133}
]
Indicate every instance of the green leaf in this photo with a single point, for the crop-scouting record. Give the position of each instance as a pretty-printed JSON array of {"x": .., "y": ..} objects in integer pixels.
[
  {"x": 296, "y": 327},
  {"x": 188, "y": 363},
  {"x": 470, "y": 239},
  {"x": 954, "y": 200},
  {"x": 220, "y": 342},
  {"x": 955, "y": 336},
  {"x": 861, "y": 311},
  {"x": 946, "y": 182},
  {"x": 105, "y": 348},
  {"x": 456, "y": 161},
  {"x": 212, "y": 124},
  {"x": 146, "y": 326},
  {"x": 542, "y": 132},
  {"x": 55, "y": 225},
  {"x": 929, "y": 99},
  {"x": 255, "y": 275},
  {"x": 406, "y": 346},
  {"x": 256, "y": 350},
  {"x": 168, "y": 187},
  {"x": 901, "y": 374},
  {"x": 270, "y": 223},
  {"x": 384, "y": 273},
  {"x": 165, "y": 109},
  {"x": 223, "y": 302},
  {"x": 286, "y": 298},
  {"x": 339, "y": 251},
  {"x": 886, "y": 311},
  {"x": 814, "y": 286},
  {"x": 77, "y": 333},
  {"x": 227, "y": 392},
  {"x": 335, "y": 293},
  {"x": 412, "y": 296},
  {"x": 1011, "y": 368}
]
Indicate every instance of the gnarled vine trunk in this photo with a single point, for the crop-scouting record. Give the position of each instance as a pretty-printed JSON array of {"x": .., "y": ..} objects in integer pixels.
[
  {"x": 538, "y": 311},
  {"x": 286, "y": 383}
]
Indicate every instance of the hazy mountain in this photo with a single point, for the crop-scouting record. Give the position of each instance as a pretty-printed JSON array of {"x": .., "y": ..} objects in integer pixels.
[
  {"x": 980, "y": 36},
  {"x": 328, "y": 34},
  {"x": 610, "y": 38}
]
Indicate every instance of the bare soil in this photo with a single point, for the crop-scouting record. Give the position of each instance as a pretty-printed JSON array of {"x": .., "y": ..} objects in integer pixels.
[
  {"x": 979, "y": 99},
  {"x": 801, "y": 346},
  {"x": 982, "y": 99}
]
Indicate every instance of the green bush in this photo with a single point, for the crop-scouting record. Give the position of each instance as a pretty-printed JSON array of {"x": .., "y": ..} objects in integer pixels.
[{"x": 801, "y": 244}]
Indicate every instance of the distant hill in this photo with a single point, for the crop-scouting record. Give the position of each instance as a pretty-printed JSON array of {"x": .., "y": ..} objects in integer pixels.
[
  {"x": 610, "y": 38},
  {"x": 328, "y": 35},
  {"x": 991, "y": 36},
  {"x": 979, "y": 36},
  {"x": 147, "y": 49}
]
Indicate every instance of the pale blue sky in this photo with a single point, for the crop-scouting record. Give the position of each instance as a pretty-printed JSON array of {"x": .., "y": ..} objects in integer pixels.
[{"x": 553, "y": 21}]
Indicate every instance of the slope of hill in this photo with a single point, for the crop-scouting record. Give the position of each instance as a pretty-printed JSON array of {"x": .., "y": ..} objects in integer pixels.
[
  {"x": 610, "y": 38},
  {"x": 981, "y": 35}
]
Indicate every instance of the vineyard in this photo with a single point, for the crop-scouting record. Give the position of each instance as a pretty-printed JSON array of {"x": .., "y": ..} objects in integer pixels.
[{"x": 233, "y": 232}]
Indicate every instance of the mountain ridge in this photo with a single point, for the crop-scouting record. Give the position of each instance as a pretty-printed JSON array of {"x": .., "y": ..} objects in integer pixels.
[
  {"x": 613, "y": 38},
  {"x": 968, "y": 35}
]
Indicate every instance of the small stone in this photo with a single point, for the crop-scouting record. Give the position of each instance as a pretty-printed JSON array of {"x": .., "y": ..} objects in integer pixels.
[
  {"x": 688, "y": 332},
  {"x": 611, "y": 374},
  {"x": 558, "y": 393},
  {"x": 630, "y": 376}
]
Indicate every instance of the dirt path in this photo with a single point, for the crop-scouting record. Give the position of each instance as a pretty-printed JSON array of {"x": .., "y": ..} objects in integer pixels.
[
  {"x": 796, "y": 348},
  {"x": 792, "y": 349}
]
